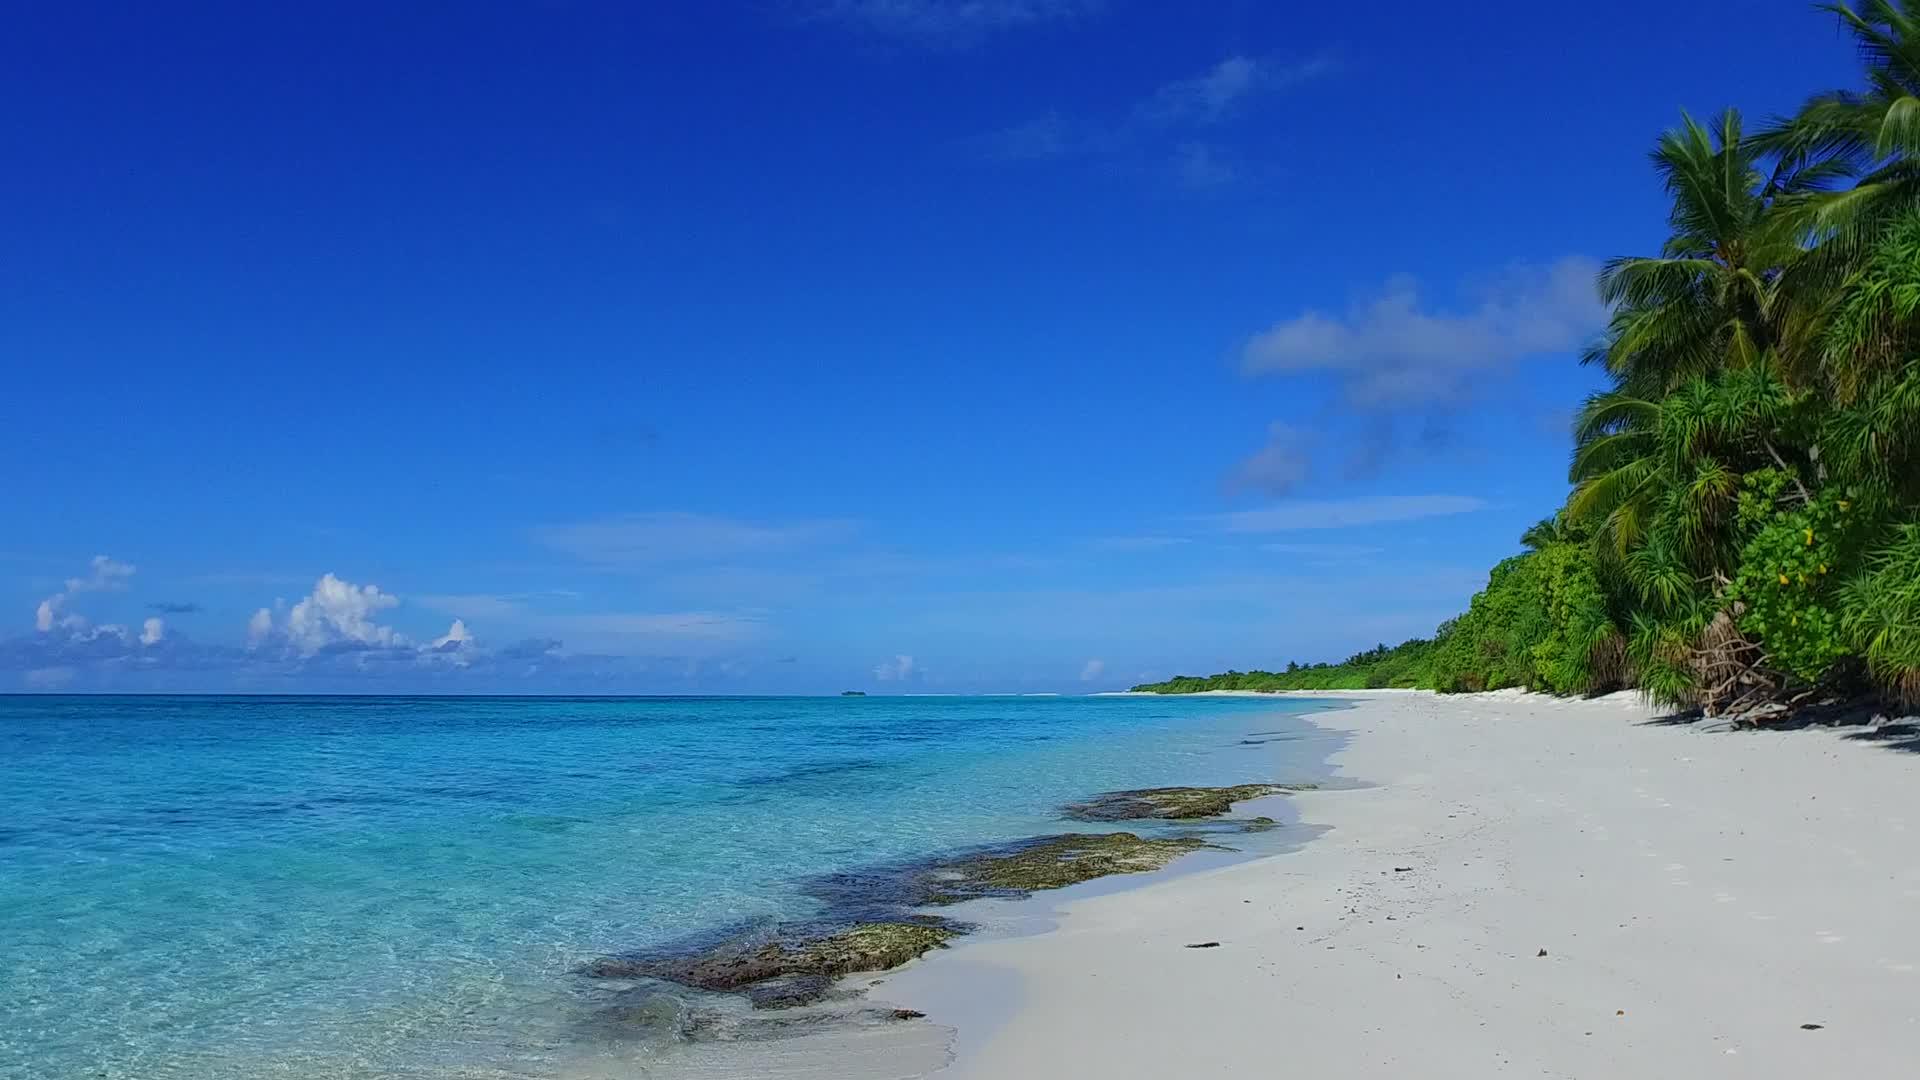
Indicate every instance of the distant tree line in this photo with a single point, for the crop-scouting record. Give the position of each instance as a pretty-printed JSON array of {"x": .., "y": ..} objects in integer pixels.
[{"x": 1403, "y": 665}]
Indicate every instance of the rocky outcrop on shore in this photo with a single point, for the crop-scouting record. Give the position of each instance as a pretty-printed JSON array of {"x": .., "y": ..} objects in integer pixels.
[
  {"x": 876, "y": 928},
  {"x": 1054, "y": 862},
  {"x": 775, "y": 973},
  {"x": 1171, "y": 803}
]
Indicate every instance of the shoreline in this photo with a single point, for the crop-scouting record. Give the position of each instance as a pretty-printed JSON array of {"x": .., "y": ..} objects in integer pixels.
[
  {"x": 777, "y": 1024},
  {"x": 1530, "y": 885}
]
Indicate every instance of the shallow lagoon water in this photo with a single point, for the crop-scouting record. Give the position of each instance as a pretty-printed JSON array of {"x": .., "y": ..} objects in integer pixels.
[{"x": 404, "y": 887}]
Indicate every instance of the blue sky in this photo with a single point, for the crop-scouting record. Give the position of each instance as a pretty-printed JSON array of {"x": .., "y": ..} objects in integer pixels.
[{"x": 899, "y": 345}]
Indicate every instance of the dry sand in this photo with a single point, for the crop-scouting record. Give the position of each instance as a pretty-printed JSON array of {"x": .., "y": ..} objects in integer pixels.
[{"x": 1699, "y": 898}]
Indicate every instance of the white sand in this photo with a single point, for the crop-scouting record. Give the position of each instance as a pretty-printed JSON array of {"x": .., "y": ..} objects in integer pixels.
[{"x": 1700, "y": 897}]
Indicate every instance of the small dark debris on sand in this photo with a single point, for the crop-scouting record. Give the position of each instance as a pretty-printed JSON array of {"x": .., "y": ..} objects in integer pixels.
[{"x": 1205, "y": 945}]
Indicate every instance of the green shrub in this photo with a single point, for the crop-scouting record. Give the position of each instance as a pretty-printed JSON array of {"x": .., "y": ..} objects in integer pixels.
[
  {"x": 1541, "y": 623},
  {"x": 1788, "y": 583},
  {"x": 1882, "y": 612}
]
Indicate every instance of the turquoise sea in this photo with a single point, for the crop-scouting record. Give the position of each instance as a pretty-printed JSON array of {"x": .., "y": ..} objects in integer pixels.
[{"x": 232, "y": 887}]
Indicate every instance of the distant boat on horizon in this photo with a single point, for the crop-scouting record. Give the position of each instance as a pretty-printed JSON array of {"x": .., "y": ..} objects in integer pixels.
[{"x": 853, "y": 693}]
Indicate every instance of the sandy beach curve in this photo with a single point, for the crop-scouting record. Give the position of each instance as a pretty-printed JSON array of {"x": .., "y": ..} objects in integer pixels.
[{"x": 1529, "y": 887}]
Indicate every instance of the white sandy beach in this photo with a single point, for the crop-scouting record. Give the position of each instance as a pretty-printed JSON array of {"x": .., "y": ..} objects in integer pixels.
[{"x": 1699, "y": 897}]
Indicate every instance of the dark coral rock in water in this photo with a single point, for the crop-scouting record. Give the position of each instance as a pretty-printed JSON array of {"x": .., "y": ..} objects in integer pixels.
[
  {"x": 1055, "y": 862},
  {"x": 776, "y": 974},
  {"x": 1004, "y": 870},
  {"x": 1170, "y": 803},
  {"x": 660, "y": 1015},
  {"x": 873, "y": 927}
]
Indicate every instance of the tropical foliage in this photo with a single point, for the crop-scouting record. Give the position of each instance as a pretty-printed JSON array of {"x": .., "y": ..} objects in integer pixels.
[
  {"x": 1402, "y": 665},
  {"x": 1742, "y": 532}
]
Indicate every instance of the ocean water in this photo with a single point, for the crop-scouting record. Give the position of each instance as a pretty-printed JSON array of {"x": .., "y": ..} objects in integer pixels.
[{"x": 225, "y": 887}]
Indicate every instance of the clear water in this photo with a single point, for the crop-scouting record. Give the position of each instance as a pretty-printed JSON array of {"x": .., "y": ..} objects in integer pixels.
[{"x": 401, "y": 887}]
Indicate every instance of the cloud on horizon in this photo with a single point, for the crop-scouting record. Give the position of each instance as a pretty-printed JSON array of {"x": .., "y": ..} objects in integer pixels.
[
  {"x": 335, "y": 632},
  {"x": 105, "y": 574},
  {"x": 335, "y": 615}
]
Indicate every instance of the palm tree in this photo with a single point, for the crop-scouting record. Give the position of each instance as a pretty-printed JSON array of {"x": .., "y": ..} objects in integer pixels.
[
  {"x": 1665, "y": 479},
  {"x": 1545, "y": 533},
  {"x": 1666, "y": 471},
  {"x": 1872, "y": 135},
  {"x": 1709, "y": 301},
  {"x": 1616, "y": 467}
]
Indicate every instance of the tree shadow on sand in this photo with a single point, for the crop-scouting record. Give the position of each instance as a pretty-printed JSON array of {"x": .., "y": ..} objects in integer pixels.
[
  {"x": 1868, "y": 716},
  {"x": 1901, "y": 735}
]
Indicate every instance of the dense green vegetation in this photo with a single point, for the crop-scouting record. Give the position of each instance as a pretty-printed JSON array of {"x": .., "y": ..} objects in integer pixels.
[
  {"x": 1742, "y": 532},
  {"x": 1403, "y": 665}
]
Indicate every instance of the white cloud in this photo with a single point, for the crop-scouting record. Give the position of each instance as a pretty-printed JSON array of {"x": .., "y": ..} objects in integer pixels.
[
  {"x": 899, "y": 669},
  {"x": 105, "y": 574},
  {"x": 1277, "y": 468},
  {"x": 1207, "y": 98},
  {"x": 652, "y": 538},
  {"x": 1093, "y": 670},
  {"x": 339, "y": 611},
  {"x": 1345, "y": 513},
  {"x": 1391, "y": 351},
  {"x": 1152, "y": 126},
  {"x": 335, "y": 613},
  {"x": 337, "y": 633},
  {"x": 949, "y": 22},
  {"x": 455, "y": 647}
]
